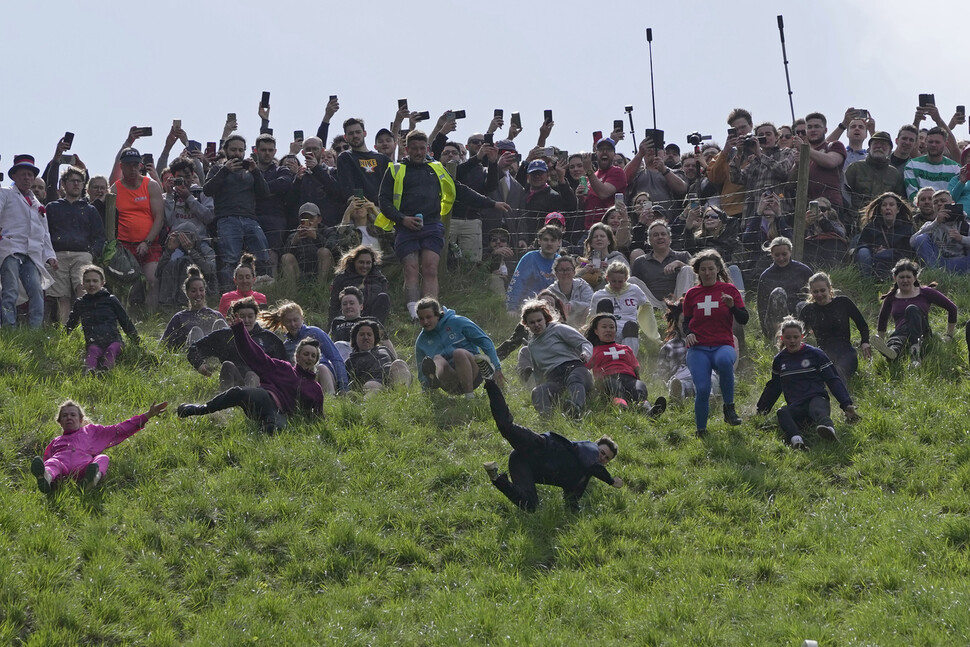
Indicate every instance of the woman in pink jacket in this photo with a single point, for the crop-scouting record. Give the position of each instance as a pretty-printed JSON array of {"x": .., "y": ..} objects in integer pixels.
[{"x": 77, "y": 451}]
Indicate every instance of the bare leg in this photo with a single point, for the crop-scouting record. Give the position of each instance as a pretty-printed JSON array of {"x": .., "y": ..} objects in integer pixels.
[
  {"x": 289, "y": 268},
  {"x": 325, "y": 378},
  {"x": 324, "y": 263},
  {"x": 429, "y": 272},
  {"x": 151, "y": 299}
]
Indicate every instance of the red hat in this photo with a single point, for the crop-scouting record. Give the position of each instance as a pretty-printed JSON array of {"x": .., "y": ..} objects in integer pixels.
[
  {"x": 23, "y": 161},
  {"x": 555, "y": 216}
]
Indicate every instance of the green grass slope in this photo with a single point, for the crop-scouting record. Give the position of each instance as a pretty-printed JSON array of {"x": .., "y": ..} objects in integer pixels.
[{"x": 377, "y": 526}]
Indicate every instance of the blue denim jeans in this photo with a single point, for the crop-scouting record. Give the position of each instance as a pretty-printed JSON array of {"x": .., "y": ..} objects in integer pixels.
[
  {"x": 20, "y": 266},
  {"x": 930, "y": 255},
  {"x": 701, "y": 360},
  {"x": 235, "y": 234}
]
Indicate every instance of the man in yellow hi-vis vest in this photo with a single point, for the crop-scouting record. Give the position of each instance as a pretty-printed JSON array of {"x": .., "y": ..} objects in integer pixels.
[{"x": 415, "y": 195}]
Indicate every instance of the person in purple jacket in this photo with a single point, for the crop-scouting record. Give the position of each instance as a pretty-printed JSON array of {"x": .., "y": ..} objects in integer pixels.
[
  {"x": 282, "y": 386},
  {"x": 909, "y": 305},
  {"x": 78, "y": 450}
]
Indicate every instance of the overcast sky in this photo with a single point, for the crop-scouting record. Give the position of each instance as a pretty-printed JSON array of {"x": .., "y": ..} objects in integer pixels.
[{"x": 98, "y": 71}]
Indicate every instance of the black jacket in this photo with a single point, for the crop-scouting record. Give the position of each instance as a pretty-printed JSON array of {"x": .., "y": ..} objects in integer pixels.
[
  {"x": 220, "y": 344},
  {"x": 100, "y": 315}
]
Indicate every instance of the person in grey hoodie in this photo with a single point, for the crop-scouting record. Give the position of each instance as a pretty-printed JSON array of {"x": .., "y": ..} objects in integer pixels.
[{"x": 559, "y": 354}]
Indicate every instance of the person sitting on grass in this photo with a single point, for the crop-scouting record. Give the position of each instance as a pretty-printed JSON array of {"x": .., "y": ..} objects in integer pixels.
[
  {"x": 370, "y": 366},
  {"x": 100, "y": 314},
  {"x": 452, "y": 352},
  {"x": 78, "y": 450},
  {"x": 189, "y": 326},
  {"x": 219, "y": 344},
  {"x": 549, "y": 459},
  {"x": 282, "y": 388},
  {"x": 781, "y": 287},
  {"x": 828, "y": 317},
  {"x": 909, "y": 305},
  {"x": 360, "y": 267},
  {"x": 243, "y": 277},
  {"x": 623, "y": 299},
  {"x": 351, "y": 312},
  {"x": 615, "y": 366},
  {"x": 288, "y": 316},
  {"x": 559, "y": 354},
  {"x": 801, "y": 372}
]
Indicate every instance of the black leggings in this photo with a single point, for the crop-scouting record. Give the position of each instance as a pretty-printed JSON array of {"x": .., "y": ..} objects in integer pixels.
[
  {"x": 628, "y": 387},
  {"x": 256, "y": 403},
  {"x": 526, "y": 444}
]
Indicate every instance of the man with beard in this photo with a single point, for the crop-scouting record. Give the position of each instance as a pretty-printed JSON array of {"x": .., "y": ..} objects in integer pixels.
[
  {"x": 271, "y": 210},
  {"x": 234, "y": 187},
  {"x": 874, "y": 175},
  {"x": 825, "y": 162},
  {"x": 604, "y": 183},
  {"x": 934, "y": 169},
  {"x": 360, "y": 169}
]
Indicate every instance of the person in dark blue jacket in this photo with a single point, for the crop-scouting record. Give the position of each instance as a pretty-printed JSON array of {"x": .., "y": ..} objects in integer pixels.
[
  {"x": 801, "y": 372},
  {"x": 548, "y": 458}
]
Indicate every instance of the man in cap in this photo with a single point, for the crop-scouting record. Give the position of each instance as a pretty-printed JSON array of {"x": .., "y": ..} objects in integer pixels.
[
  {"x": 541, "y": 199},
  {"x": 25, "y": 245},
  {"x": 873, "y": 175},
  {"x": 604, "y": 183},
  {"x": 305, "y": 253},
  {"x": 141, "y": 214}
]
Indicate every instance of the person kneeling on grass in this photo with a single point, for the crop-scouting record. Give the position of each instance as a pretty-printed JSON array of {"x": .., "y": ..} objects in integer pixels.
[
  {"x": 282, "y": 386},
  {"x": 77, "y": 451},
  {"x": 452, "y": 352},
  {"x": 100, "y": 314},
  {"x": 549, "y": 459},
  {"x": 801, "y": 372},
  {"x": 615, "y": 366},
  {"x": 372, "y": 367}
]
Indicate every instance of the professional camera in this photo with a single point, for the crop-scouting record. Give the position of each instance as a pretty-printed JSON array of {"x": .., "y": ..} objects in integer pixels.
[{"x": 695, "y": 138}]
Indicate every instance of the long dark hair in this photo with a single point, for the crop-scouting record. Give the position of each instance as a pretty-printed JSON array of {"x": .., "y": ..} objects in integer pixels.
[
  {"x": 591, "y": 327},
  {"x": 904, "y": 265}
]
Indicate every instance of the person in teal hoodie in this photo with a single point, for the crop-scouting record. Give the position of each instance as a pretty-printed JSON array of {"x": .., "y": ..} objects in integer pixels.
[{"x": 452, "y": 352}]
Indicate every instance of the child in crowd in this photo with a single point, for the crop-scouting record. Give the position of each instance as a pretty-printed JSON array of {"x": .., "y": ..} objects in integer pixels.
[
  {"x": 288, "y": 316},
  {"x": 623, "y": 299},
  {"x": 615, "y": 366},
  {"x": 189, "y": 326},
  {"x": 77, "y": 451},
  {"x": 801, "y": 372},
  {"x": 243, "y": 277},
  {"x": 100, "y": 314}
]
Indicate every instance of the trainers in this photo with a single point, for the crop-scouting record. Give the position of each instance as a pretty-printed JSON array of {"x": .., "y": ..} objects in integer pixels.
[
  {"x": 92, "y": 476},
  {"x": 730, "y": 415},
  {"x": 880, "y": 345},
  {"x": 676, "y": 389},
  {"x": 659, "y": 406},
  {"x": 620, "y": 402},
  {"x": 914, "y": 355},
  {"x": 485, "y": 366},
  {"x": 798, "y": 443},
  {"x": 826, "y": 431},
  {"x": 43, "y": 476},
  {"x": 700, "y": 433},
  {"x": 430, "y": 370},
  {"x": 491, "y": 468}
]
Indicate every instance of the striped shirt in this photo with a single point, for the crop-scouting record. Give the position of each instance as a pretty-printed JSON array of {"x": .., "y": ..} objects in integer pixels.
[{"x": 920, "y": 172}]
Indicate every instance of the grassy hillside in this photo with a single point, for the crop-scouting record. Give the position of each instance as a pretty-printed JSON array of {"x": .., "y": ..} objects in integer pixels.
[{"x": 378, "y": 526}]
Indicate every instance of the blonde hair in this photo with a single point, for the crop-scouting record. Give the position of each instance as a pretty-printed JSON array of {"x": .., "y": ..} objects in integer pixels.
[{"x": 272, "y": 318}]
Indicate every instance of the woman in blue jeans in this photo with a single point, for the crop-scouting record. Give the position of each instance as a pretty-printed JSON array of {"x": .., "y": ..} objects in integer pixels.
[{"x": 710, "y": 310}]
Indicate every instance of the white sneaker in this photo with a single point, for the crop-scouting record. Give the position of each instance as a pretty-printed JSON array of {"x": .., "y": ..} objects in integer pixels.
[
  {"x": 413, "y": 310},
  {"x": 880, "y": 345},
  {"x": 485, "y": 366},
  {"x": 826, "y": 431},
  {"x": 797, "y": 442},
  {"x": 491, "y": 468}
]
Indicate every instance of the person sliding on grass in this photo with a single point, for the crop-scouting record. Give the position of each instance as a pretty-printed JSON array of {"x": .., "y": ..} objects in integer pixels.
[
  {"x": 801, "y": 372},
  {"x": 615, "y": 367},
  {"x": 549, "y": 459},
  {"x": 77, "y": 451},
  {"x": 282, "y": 386}
]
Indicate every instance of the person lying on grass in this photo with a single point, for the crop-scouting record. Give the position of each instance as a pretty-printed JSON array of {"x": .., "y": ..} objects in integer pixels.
[
  {"x": 77, "y": 451},
  {"x": 282, "y": 386},
  {"x": 801, "y": 372},
  {"x": 549, "y": 459}
]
